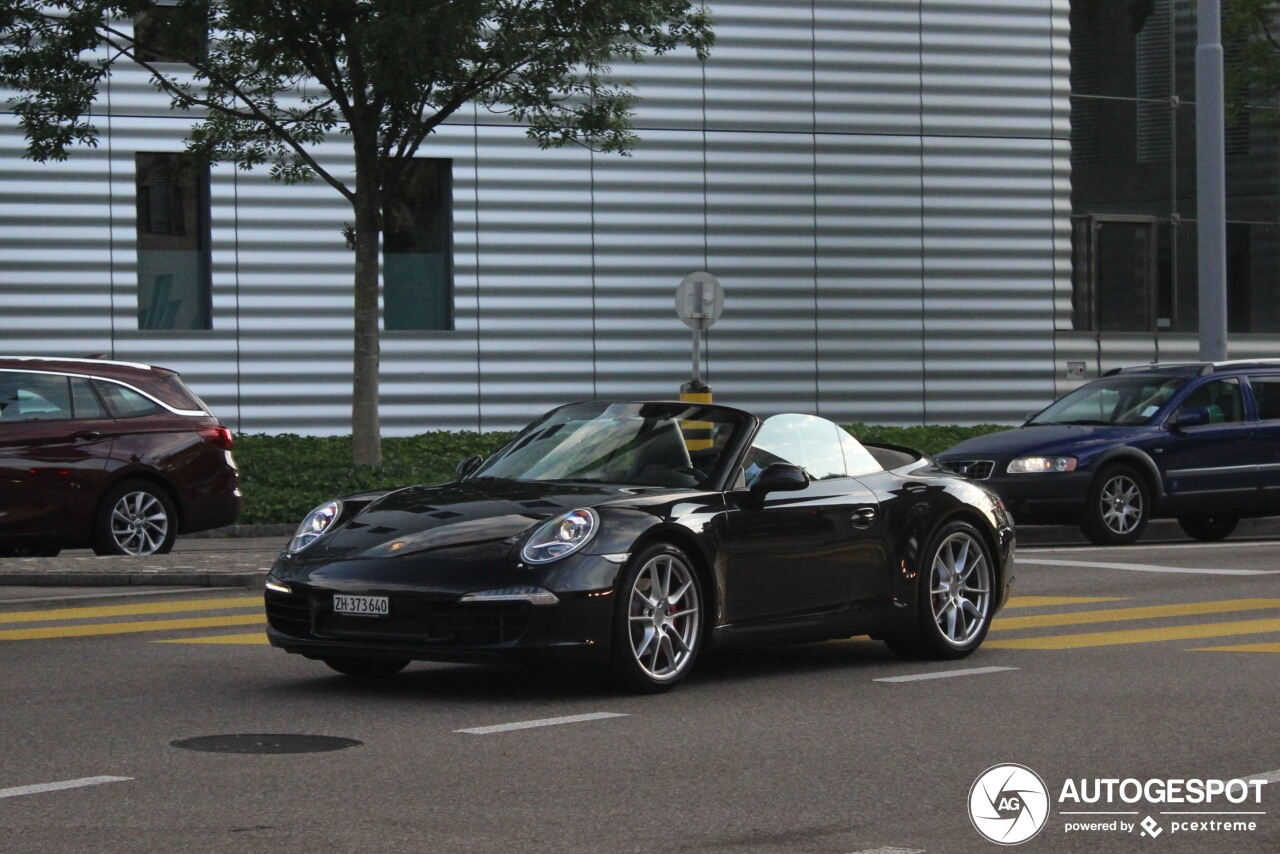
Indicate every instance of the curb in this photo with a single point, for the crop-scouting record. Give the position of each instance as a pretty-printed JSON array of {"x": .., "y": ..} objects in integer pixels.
[{"x": 133, "y": 579}]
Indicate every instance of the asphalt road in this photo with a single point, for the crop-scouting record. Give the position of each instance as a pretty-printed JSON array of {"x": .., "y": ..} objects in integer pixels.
[{"x": 1151, "y": 663}]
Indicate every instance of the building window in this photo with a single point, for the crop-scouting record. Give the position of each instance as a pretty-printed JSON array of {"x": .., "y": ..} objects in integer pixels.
[
  {"x": 174, "y": 288},
  {"x": 1114, "y": 273},
  {"x": 167, "y": 32},
  {"x": 417, "y": 249}
]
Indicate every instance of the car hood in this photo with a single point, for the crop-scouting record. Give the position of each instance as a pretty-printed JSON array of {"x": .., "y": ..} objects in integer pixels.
[
  {"x": 422, "y": 519},
  {"x": 1045, "y": 439}
]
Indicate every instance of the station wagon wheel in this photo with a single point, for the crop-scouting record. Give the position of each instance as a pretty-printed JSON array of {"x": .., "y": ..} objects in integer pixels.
[
  {"x": 135, "y": 518},
  {"x": 957, "y": 583},
  {"x": 658, "y": 628},
  {"x": 1119, "y": 507}
]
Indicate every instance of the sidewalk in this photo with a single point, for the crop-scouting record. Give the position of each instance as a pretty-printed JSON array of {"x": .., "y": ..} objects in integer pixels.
[
  {"x": 244, "y": 561},
  {"x": 194, "y": 562}
]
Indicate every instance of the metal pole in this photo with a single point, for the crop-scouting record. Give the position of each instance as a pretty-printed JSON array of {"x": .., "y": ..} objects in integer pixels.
[
  {"x": 1211, "y": 196},
  {"x": 697, "y": 355}
]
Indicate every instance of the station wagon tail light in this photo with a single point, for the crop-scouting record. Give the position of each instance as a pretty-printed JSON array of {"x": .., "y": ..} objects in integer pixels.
[
  {"x": 561, "y": 536},
  {"x": 219, "y": 436},
  {"x": 1042, "y": 465},
  {"x": 318, "y": 521}
]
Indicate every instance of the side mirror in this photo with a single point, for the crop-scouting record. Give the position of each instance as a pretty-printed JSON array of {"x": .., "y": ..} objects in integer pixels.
[
  {"x": 779, "y": 477},
  {"x": 468, "y": 467},
  {"x": 1191, "y": 417}
]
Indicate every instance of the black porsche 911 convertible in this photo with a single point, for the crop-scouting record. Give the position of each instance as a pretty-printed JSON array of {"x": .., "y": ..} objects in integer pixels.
[{"x": 634, "y": 535}]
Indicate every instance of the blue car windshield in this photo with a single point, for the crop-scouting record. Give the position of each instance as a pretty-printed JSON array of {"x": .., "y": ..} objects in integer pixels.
[
  {"x": 1113, "y": 400},
  {"x": 647, "y": 444}
]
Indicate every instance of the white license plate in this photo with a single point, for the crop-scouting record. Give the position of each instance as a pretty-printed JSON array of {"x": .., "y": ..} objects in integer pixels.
[{"x": 361, "y": 606}]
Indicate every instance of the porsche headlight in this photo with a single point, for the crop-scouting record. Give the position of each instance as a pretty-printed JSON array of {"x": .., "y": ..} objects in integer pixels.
[
  {"x": 1040, "y": 465},
  {"x": 313, "y": 527},
  {"x": 561, "y": 536}
]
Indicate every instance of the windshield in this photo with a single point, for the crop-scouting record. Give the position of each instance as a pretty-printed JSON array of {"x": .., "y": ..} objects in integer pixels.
[
  {"x": 651, "y": 444},
  {"x": 1113, "y": 400}
]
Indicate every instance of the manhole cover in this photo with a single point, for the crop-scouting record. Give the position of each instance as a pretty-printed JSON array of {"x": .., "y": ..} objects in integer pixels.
[{"x": 261, "y": 743}]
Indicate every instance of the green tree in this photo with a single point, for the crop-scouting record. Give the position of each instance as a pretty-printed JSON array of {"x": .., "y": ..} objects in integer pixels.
[
  {"x": 1251, "y": 37},
  {"x": 275, "y": 78}
]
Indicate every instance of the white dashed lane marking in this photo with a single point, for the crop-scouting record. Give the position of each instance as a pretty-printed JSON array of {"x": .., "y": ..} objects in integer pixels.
[
  {"x": 946, "y": 674},
  {"x": 57, "y": 787},
  {"x": 569, "y": 719}
]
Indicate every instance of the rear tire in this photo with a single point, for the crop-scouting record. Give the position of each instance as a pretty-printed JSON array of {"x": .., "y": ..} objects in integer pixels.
[
  {"x": 1118, "y": 508},
  {"x": 367, "y": 668},
  {"x": 135, "y": 517},
  {"x": 1208, "y": 529},
  {"x": 956, "y": 596}
]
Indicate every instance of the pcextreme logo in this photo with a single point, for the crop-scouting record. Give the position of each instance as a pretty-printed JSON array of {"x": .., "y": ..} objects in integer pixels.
[{"x": 1008, "y": 804}]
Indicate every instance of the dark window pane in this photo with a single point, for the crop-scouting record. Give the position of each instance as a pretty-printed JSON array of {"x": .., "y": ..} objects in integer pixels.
[
  {"x": 86, "y": 403},
  {"x": 1266, "y": 394},
  {"x": 417, "y": 264},
  {"x": 1124, "y": 276},
  {"x": 173, "y": 242},
  {"x": 125, "y": 402},
  {"x": 1253, "y": 279},
  {"x": 167, "y": 32},
  {"x": 38, "y": 397},
  {"x": 1221, "y": 397}
]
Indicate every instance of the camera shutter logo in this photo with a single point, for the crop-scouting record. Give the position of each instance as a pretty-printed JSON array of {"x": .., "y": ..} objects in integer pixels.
[{"x": 1009, "y": 804}]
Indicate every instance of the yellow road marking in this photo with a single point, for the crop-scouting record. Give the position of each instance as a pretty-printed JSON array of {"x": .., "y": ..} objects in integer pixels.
[
  {"x": 1050, "y": 601},
  {"x": 1170, "y": 633},
  {"x": 131, "y": 610},
  {"x": 257, "y": 638},
  {"x": 1153, "y": 612},
  {"x": 129, "y": 628},
  {"x": 1247, "y": 647}
]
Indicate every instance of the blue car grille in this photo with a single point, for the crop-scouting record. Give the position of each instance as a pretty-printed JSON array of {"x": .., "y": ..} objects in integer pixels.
[{"x": 972, "y": 469}]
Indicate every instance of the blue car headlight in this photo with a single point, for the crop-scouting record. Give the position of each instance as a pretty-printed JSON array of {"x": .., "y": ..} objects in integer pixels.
[
  {"x": 561, "y": 536},
  {"x": 314, "y": 526},
  {"x": 1041, "y": 465}
]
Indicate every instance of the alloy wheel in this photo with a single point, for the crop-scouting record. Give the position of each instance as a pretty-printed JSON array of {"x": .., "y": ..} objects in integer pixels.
[
  {"x": 960, "y": 588},
  {"x": 1121, "y": 504},
  {"x": 139, "y": 523},
  {"x": 663, "y": 616}
]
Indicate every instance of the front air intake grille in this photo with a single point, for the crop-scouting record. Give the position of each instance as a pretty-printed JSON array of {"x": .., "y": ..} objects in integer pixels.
[
  {"x": 419, "y": 620},
  {"x": 288, "y": 613},
  {"x": 972, "y": 469}
]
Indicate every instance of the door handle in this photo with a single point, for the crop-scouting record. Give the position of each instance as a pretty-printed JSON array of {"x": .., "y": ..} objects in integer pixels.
[
  {"x": 86, "y": 435},
  {"x": 864, "y": 517}
]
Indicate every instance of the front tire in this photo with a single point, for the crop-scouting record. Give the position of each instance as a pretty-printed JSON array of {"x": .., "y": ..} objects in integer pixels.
[
  {"x": 1119, "y": 507},
  {"x": 956, "y": 596},
  {"x": 1208, "y": 529},
  {"x": 659, "y": 621},
  {"x": 137, "y": 518},
  {"x": 367, "y": 668}
]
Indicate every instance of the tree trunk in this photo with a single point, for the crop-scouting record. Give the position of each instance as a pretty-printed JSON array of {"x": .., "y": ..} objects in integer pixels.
[{"x": 366, "y": 434}]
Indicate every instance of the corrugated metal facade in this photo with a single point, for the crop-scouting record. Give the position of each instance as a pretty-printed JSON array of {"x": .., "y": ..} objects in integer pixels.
[{"x": 883, "y": 187}]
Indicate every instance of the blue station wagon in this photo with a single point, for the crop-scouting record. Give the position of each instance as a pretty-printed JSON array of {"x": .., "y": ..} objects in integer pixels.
[{"x": 1199, "y": 442}]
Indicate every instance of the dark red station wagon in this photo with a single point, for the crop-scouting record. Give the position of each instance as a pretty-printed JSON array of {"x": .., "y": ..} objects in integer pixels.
[{"x": 117, "y": 456}]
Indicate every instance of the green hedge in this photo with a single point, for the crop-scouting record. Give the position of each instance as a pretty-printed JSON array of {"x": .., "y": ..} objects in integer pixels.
[{"x": 284, "y": 476}]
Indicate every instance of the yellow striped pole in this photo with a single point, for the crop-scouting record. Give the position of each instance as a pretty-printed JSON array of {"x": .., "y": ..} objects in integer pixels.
[{"x": 697, "y": 434}]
